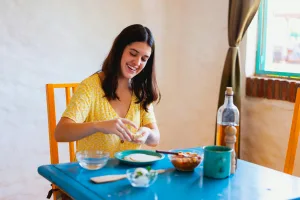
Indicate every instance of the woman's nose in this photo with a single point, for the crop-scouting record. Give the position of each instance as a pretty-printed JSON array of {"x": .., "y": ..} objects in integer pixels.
[{"x": 137, "y": 61}]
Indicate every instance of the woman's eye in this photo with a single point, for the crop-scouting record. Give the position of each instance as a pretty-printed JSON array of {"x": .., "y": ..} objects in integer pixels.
[
  {"x": 133, "y": 54},
  {"x": 144, "y": 59}
]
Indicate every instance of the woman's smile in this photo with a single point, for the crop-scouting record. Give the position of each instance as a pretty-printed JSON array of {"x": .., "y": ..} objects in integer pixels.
[{"x": 131, "y": 69}]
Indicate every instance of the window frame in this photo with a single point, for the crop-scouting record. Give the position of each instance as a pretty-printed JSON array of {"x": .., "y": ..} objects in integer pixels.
[{"x": 261, "y": 46}]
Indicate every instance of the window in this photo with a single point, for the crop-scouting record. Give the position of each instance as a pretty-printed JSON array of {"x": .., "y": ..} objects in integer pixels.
[{"x": 278, "y": 45}]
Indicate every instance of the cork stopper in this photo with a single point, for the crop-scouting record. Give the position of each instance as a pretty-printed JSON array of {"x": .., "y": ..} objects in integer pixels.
[{"x": 229, "y": 91}]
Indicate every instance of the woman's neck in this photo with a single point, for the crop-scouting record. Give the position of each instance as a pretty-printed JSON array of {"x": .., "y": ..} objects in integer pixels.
[{"x": 124, "y": 83}]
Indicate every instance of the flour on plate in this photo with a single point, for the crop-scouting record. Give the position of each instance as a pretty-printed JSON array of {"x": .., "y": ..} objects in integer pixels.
[{"x": 139, "y": 157}]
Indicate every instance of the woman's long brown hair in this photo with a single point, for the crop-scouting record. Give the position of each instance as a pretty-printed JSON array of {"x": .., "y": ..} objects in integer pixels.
[{"x": 144, "y": 84}]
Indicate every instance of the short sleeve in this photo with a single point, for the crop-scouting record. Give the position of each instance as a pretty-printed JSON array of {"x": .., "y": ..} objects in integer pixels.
[
  {"x": 80, "y": 104},
  {"x": 147, "y": 117}
]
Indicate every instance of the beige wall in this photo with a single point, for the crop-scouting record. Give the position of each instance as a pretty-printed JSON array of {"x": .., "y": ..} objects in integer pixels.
[
  {"x": 65, "y": 41},
  {"x": 267, "y": 127},
  {"x": 194, "y": 52}
]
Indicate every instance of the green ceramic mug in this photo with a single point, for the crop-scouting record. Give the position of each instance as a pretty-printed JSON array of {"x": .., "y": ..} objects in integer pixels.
[{"x": 217, "y": 161}]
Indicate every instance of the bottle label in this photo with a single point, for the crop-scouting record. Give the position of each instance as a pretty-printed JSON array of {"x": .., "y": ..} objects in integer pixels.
[{"x": 228, "y": 115}]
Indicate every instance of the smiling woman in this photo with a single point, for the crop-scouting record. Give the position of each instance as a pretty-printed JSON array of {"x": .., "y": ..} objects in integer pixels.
[
  {"x": 115, "y": 103},
  {"x": 134, "y": 59}
]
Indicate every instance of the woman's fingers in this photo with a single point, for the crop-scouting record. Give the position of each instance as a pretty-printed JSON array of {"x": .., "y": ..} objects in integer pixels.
[
  {"x": 127, "y": 131},
  {"x": 139, "y": 138},
  {"x": 120, "y": 134},
  {"x": 121, "y": 129},
  {"x": 126, "y": 121},
  {"x": 123, "y": 122},
  {"x": 141, "y": 135},
  {"x": 124, "y": 132}
]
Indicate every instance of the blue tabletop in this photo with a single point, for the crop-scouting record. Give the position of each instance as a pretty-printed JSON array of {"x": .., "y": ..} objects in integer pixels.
[{"x": 250, "y": 181}]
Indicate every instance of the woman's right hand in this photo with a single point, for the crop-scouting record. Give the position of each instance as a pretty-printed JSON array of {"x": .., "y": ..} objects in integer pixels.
[{"x": 117, "y": 127}]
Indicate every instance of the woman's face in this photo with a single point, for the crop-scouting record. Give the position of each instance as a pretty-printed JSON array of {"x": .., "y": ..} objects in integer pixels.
[{"x": 134, "y": 59}]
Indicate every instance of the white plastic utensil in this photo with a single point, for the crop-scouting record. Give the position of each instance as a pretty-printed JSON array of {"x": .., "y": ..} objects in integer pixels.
[
  {"x": 108, "y": 178},
  {"x": 111, "y": 178}
]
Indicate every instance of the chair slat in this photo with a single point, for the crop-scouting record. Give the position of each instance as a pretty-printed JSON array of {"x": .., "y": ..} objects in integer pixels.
[
  {"x": 73, "y": 91},
  {"x": 294, "y": 135},
  {"x": 68, "y": 95},
  {"x": 71, "y": 144},
  {"x": 52, "y": 123},
  {"x": 72, "y": 151},
  {"x": 64, "y": 85}
]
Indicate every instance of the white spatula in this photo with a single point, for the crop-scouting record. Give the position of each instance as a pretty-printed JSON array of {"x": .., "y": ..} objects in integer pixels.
[
  {"x": 111, "y": 178},
  {"x": 108, "y": 178}
]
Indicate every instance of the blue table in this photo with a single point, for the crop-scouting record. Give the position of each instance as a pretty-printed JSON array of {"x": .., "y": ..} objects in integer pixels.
[{"x": 251, "y": 182}]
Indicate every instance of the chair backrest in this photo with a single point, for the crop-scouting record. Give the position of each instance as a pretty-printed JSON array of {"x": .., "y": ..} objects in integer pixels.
[
  {"x": 294, "y": 135},
  {"x": 50, "y": 94}
]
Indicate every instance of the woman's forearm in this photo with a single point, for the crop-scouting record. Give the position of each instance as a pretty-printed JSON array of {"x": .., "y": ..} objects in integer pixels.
[
  {"x": 68, "y": 132},
  {"x": 153, "y": 138}
]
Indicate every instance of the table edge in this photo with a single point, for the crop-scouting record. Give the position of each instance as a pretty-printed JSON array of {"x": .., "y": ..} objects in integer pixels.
[{"x": 54, "y": 175}]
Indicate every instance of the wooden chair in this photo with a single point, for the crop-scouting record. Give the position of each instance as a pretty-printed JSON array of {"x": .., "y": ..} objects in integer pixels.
[
  {"x": 50, "y": 94},
  {"x": 294, "y": 135}
]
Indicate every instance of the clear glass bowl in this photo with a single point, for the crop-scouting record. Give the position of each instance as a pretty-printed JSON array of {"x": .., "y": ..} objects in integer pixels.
[
  {"x": 92, "y": 159},
  {"x": 186, "y": 162},
  {"x": 138, "y": 179}
]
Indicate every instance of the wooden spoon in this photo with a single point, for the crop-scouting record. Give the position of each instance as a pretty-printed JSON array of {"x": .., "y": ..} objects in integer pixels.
[
  {"x": 166, "y": 152},
  {"x": 174, "y": 153}
]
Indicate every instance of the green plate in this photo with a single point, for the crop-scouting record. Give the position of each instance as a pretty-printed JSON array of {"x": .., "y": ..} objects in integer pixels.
[{"x": 120, "y": 156}]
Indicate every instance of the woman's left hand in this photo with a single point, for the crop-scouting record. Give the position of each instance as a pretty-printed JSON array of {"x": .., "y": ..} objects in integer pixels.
[{"x": 141, "y": 135}]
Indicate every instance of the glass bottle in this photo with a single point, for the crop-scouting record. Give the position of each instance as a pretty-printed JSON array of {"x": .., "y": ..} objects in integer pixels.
[{"x": 228, "y": 115}]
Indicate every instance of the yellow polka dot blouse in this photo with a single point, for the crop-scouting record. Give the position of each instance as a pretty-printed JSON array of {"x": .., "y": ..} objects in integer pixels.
[{"x": 88, "y": 104}]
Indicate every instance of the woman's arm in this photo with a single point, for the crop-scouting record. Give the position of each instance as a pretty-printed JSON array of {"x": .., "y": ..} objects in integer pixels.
[
  {"x": 67, "y": 130},
  {"x": 154, "y": 135},
  {"x": 149, "y": 129}
]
